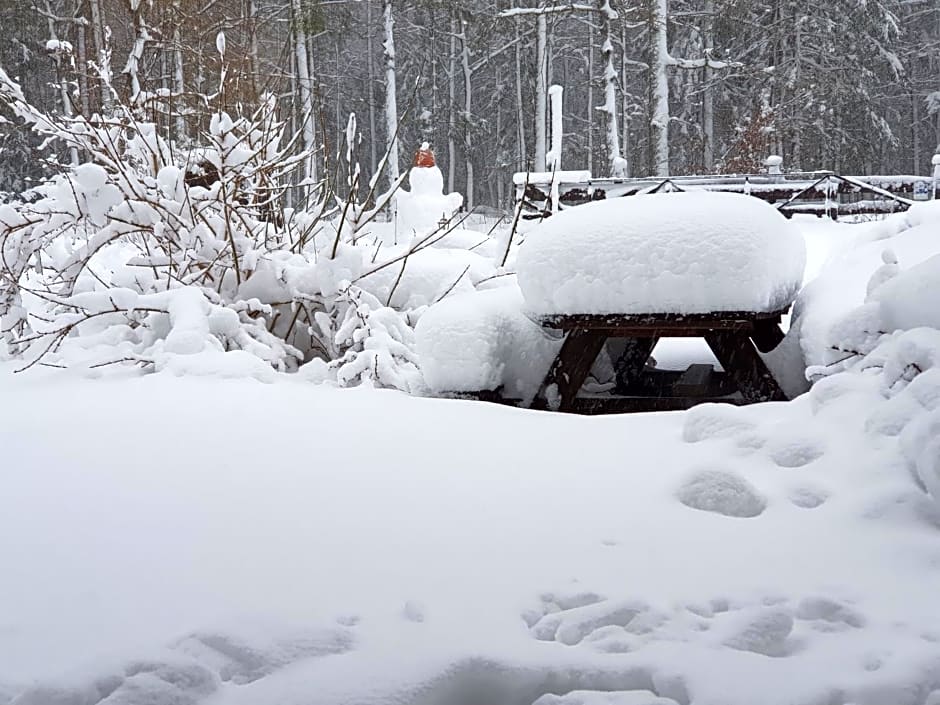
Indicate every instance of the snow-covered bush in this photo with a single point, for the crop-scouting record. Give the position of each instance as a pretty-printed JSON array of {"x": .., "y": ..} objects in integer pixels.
[
  {"x": 894, "y": 336},
  {"x": 141, "y": 255}
]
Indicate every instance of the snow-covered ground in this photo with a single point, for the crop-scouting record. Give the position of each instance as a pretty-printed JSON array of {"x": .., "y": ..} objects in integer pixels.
[{"x": 188, "y": 540}]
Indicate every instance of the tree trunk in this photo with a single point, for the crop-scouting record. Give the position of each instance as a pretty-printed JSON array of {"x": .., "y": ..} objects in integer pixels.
[
  {"x": 624, "y": 99},
  {"x": 590, "y": 99},
  {"x": 132, "y": 67},
  {"x": 391, "y": 100},
  {"x": 452, "y": 110},
  {"x": 307, "y": 119},
  {"x": 467, "y": 113},
  {"x": 371, "y": 66},
  {"x": 179, "y": 85},
  {"x": 659, "y": 124},
  {"x": 520, "y": 107},
  {"x": 82, "y": 50},
  {"x": 104, "y": 62},
  {"x": 796, "y": 157},
  {"x": 253, "y": 62},
  {"x": 62, "y": 85},
  {"x": 708, "y": 96},
  {"x": 541, "y": 89},
  {"x": 616, "y": 164}
]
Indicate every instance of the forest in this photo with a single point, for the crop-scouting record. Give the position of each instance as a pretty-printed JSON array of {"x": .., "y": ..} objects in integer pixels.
[{"x": 650, "y": 86}]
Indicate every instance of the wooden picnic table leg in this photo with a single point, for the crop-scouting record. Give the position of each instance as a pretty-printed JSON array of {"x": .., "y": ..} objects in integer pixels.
[
  {"x": 632, "y": 356},
  {"x": 767, "y": 335},
  {"x": 738, "y": 356},
  {"x": 572, "y": 366}
]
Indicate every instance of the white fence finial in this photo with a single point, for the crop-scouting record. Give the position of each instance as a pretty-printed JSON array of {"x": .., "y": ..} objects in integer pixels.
[{"x": 774, "y": 164}]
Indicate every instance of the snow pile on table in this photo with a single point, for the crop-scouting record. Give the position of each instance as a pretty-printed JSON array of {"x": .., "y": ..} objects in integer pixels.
[
  {"x": 436, "y": 552},
  {"x": 693, "y": 252},
  {"x": 483, "y": 341}
]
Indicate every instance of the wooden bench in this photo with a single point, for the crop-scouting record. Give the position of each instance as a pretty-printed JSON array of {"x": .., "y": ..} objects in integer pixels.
[{"x": 735, "y": 338}]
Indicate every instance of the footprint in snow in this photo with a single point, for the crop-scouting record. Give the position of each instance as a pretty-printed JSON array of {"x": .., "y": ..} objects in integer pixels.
[
  {"x": 240, "y": 662},
  {"x": 712, "y": 421},
  {"x": 808, "y": 497},
  {"x": 570, "y": 626},
  {"x": 761, "y": 630},
  {"x": 829, "y": 615},
  {"x": 795, "y": 453},
  {"x": 158, "y": 682}
]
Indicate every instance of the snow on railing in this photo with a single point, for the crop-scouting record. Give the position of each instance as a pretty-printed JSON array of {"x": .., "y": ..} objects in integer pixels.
[{"x": 819, "y": 192}]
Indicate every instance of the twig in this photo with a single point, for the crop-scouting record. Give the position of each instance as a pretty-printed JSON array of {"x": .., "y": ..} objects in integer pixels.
[{"x": 452, "y": 286}]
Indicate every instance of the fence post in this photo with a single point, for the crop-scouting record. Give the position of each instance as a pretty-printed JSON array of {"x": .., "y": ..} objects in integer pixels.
[
  {"x": 774, "y": 164},
  {"x": 936, "y": 173}
]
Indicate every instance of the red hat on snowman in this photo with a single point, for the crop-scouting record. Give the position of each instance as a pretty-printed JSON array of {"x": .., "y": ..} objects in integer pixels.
[{"x": 424, "y": 157}]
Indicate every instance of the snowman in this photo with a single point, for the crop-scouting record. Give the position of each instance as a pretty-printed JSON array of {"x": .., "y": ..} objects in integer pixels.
[{"x": 423, "y": 207}]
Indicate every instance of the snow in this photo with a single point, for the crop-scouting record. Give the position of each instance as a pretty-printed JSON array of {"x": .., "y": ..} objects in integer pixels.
[
  {"x": 846, "y": 261},
  {"x": 218, "y": 533},
  {"x": 662, "y": 253},
  {"x": 909, "y": 298},
  {"x": 57, "y": 46},
  {"x": 483, "y": 341},
  {"x": 547, "y": 177},
  {"x": 432, "y": 551},
  {"x": 427, "y": 275},
  {"x": 420, "y": 209}
]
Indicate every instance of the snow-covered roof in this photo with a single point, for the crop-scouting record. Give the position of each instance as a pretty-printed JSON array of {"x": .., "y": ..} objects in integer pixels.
[{"x": 693, "y": 252}]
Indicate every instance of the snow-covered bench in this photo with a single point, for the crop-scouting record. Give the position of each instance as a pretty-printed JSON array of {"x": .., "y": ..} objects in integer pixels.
[{"x": 723, "y": 267}]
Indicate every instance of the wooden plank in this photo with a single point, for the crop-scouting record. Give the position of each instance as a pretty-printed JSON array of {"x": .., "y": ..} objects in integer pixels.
[
  {"x": 636, "y": 404},
  {"x": 740, "y": 360},
  {"x": 695, "y": 380},
  {"x": 767, "y": 335},
  {"x": 669, "y": 330},
  {"x": 668, "y": 324},
  {"x": 571, "y": 367}
]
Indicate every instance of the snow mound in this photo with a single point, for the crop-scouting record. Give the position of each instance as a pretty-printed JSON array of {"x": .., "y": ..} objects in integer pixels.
[
  {"x": 483, "y": 341},
  {"x": 909, "y": 299},
  {"x": 663, "y": 253},
  {"x": 721, "y": 492},
  {"x": 890, "y": 265}
]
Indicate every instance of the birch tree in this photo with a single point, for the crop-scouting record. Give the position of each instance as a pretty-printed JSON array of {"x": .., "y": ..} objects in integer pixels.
[
  {"x": 391, "y": 99},
  {"x": 307, "y": 118},
  {"x": 615, "y": 162},
  {"x": 663, "y": 61}
]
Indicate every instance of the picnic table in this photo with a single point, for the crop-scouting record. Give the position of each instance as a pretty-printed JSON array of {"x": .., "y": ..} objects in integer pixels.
[
  {"x": 735, "y": 337},
  {"x": 623, "y": 274}
]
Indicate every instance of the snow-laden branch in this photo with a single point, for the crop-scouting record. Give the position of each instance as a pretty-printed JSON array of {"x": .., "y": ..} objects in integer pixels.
[
  {"x": 704, "y": 62},
  {"x": 571, "y": 7}
]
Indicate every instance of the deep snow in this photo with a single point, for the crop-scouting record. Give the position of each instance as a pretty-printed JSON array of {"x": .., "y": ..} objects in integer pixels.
[
  {"x": 171, "y": 540},
  {"x": 200, "y": 540}
]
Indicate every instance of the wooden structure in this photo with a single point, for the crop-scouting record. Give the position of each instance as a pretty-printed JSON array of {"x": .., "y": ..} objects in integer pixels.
[
  {"x": 820, "y": 193},
  {"x": 734, "y": 337}
]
